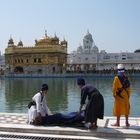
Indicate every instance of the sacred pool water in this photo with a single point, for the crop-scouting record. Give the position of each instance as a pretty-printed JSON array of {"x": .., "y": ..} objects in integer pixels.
[{"x": 63, "y": 95}]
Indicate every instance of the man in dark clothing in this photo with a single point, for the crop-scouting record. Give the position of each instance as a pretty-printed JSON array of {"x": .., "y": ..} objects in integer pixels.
[{"x": 95, "y": 106}]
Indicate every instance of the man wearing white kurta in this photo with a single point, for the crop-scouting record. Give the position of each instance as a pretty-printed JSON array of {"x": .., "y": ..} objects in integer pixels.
[{"x": 40, "y": 109}]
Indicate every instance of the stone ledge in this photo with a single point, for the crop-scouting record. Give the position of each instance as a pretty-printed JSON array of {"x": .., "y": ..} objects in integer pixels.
[{"x": 10, "y": 122}]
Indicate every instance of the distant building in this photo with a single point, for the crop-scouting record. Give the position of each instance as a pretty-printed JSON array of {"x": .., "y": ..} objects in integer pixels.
[
  {"x": 48, "y": 55},
  {"x": 2, "y": 64},
  {"x": 87, "y": 58}
]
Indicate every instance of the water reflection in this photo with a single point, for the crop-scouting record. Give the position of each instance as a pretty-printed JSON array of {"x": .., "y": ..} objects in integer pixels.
[
  {"x": 18, "y": 92},
  {"x": 63, "y": 95}
]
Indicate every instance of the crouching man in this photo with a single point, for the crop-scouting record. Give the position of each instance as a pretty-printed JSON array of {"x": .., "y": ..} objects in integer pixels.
[{"x": 38, "y": 107}]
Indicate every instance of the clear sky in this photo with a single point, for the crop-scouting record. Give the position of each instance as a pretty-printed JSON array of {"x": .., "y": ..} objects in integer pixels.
[{"x": 114, "y": 24}]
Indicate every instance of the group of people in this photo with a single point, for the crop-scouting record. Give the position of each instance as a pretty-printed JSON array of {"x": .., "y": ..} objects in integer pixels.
[{"x": 39, "y": 113}]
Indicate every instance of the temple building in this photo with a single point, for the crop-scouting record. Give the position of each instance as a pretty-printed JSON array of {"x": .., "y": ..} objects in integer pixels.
[
  {"x": 85, "y": 58},
  {"x": 48, "y": 55},
  {"x": 88, "y": 58}
]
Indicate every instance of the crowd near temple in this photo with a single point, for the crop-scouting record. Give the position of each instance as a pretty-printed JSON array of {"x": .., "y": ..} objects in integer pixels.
[{"x": 50, "y": 55}]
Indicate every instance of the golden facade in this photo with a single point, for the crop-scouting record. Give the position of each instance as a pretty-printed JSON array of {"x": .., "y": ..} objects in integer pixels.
[{"x": 48, "y": 55}]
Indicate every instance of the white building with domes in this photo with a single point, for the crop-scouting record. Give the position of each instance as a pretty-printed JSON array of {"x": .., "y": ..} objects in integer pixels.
[{"x": 87, "y": 57}]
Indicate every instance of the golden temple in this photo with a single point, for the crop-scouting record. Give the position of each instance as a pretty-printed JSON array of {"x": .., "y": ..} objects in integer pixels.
[{"x": 48, "y": 55}]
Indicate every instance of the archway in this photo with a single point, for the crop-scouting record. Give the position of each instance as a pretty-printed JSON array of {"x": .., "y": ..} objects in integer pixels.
[{"x": 18, "y": 69}]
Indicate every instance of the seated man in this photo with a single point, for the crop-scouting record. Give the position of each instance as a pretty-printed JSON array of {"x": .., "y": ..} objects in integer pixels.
[
  {"x": 39, "y": 114},
  {"x": 38, "y": 107}
]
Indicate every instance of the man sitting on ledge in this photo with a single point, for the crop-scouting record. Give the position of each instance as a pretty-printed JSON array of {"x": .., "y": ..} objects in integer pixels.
[{"x": 39, "y": 114}]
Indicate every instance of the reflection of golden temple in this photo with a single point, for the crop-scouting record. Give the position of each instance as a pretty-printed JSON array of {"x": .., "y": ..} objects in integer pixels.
[{"x": 47, "y": 56}]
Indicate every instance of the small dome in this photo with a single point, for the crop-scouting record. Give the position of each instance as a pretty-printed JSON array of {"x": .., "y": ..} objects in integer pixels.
[
  {"x": 88, "y": 36},
  {"x": 20, "y": 43},
  {"x": 56, "y": 38},
  {"x": 10, "y": 42},
  {"x": 64, "y": 42},
  {"x": 95, "y": 49}
]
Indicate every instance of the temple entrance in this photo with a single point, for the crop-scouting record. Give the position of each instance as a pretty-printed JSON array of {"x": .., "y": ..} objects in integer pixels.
[{"x": 18, "y": 69}]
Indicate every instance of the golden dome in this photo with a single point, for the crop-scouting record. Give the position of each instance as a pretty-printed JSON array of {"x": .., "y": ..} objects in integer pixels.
[
  {"x": 64, "y": 42},
  {"x": 10, "y": 42},
  {"x": 46, "y": 40},
  {"x": 20, "y": 43}
]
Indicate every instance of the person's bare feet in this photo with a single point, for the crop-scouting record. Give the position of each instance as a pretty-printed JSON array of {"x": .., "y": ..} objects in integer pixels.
[
  {"x": 93, "y": 127},
  {"x": 115, "y": 124}
]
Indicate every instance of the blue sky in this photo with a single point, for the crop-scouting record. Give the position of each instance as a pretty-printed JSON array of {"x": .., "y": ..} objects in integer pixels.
[{"x": 114, "y": 24}]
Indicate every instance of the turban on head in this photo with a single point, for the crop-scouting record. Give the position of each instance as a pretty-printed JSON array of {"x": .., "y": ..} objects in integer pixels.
[
  {"x": 121, "y": 68},
  {"x": 44, "y": 87},
  {"x": 80, "y": 81}
]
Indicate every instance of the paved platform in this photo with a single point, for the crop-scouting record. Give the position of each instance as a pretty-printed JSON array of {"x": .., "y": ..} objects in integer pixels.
[{"x": 16, "y": 124}]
